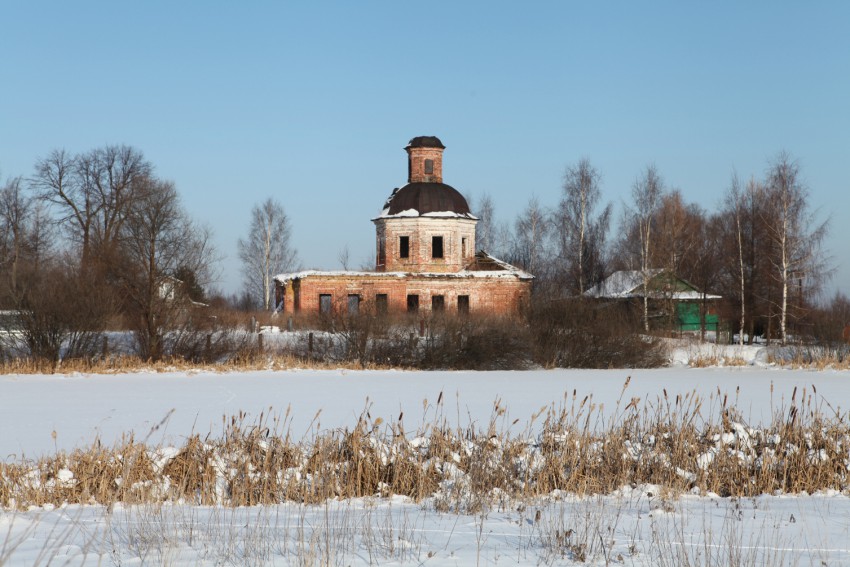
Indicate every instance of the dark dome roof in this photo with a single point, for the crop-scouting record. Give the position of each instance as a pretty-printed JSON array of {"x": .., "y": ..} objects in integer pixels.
[
  {"x": 426, "y": 198},
  {"x": 425, "y": 142}
]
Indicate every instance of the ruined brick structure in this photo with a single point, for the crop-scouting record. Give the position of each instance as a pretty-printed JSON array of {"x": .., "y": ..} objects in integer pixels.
[{"x": 425, "y": 257}]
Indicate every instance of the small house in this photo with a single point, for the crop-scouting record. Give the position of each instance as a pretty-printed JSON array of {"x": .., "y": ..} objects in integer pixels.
[{"x": 673, "y": 302}]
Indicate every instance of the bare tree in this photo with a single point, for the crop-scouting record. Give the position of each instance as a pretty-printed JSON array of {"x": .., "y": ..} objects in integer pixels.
[
  {"x": 92, "y": 193},
  {"x": 485, "y": 230},
  {"x": 41, "y": 238},
  {"x": 736, "y": 209},
  {"x": 15, "y": 210},
  {"x": 795, "y": 233},
  {"x": 704, "y": 268},
  {"x": 676, "y": 226},
  {"x": 531, "y": 234},
  {"x": 158, "y": 239},
  {"x": 344, "y": 257},
  {"x": 646, "y": 195},
  {"x": 25, "y": 237},
  {"x": 580, "y": 231},
  {"x": 266, "y": 250}
]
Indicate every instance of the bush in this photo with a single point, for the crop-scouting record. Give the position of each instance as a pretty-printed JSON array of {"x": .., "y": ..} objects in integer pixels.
[
  {"x": 581, "y": 334},
  {"x": 474, "y": 343},
  {"x": 60, "y": 315}
]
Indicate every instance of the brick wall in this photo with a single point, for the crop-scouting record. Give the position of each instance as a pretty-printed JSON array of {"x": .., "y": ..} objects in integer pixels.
[
  {"x": 496, "y": 296},
  {"x": 420, "y": 232},
  {"x": 416, "y": 165}
]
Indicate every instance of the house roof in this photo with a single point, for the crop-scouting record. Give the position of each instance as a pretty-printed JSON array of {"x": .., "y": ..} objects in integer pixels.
[
  {"x": 426, "y": 199},
  {"x": 482, "y": 266},
  {"x": 627, "y": 284}
]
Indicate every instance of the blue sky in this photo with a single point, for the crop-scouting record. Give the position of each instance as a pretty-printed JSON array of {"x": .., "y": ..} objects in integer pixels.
[{"x": 312, "y": 103}]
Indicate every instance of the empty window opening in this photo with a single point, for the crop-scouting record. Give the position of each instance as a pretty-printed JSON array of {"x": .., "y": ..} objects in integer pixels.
[
  {"x": 382, "y": 252},
  {"x": 463, "y": 304},
  {"x": 437, "y": 247},
  {"x": 438, "y": 303},
  {"x": 353, "y": 304},
  {"x": 381, "y": 303},
  {"x": 429, "y": 166},
  {"x": 324, "y": 303},
  {"x": 412, "y": 303},
  {"x": 278, "y": 299},
  {"x": 463, "y": 251},
  {"x": 403, "y": 246}
]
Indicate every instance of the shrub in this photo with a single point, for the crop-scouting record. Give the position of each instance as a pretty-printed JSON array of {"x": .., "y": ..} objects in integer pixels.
[
  {"x": 581, "y": 334},
  {"x": 475, "y": 343}
]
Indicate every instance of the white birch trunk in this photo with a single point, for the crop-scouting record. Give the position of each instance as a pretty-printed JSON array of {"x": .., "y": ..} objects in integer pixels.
[{"x": 741, "y": 267}]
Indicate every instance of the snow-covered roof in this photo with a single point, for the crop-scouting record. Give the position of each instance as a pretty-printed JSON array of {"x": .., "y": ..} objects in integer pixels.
[
  {"x": 627, "y": 284},
  {"x": 478, "y": 268},
  {"x": 619, "y": 284},
  {"x": 385, "y": 214}
]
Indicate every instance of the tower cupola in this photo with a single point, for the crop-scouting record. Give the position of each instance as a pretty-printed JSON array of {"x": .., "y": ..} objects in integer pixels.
[{"x": 425, "y": 160}]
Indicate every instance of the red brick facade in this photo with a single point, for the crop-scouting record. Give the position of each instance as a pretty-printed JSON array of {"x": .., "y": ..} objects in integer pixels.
[
  {"x": 457, "y": 240},
  {"x": 497, "y": 295},
  {"x": 416, "y": 165},
  {"x": 425, "y": 257}
]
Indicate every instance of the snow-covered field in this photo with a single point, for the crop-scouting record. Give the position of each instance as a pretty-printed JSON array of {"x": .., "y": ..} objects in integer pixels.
[{"x": 637, "y": 526}]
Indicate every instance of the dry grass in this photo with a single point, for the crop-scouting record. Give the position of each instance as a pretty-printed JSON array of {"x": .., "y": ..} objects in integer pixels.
[
  {"x": 703, "y": 355},
  {"x": 681, "y": 444},
  {"x": 119, "y": 364},
  {"x": 714, "y": 360},
  {"x": 815, "y": 357}
]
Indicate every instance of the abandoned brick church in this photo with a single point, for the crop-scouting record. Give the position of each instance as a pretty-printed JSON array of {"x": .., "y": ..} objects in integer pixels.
[{"x": 425, "y": 257}]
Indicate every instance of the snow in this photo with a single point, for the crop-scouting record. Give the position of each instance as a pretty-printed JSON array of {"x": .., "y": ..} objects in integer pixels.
[
  {"x": 40, "y": 413},
  {"x": 506, "y": 271},
  {"x": 620, "y": 284},
  {"x": 625, "y": 284},
  {"x": 683, "y": 355},
  {"x": 407, "y": 213},
  {"x": 638, "y": 525},
  {"x": 513, "y": 273}
]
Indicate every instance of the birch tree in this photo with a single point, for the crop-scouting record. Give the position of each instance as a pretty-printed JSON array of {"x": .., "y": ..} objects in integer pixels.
[
  {"x": 580, "y": 231},
  {"x": 795, "y": 233},
  {"x": 266, "y": 250},
  {"x": 485, "y": 229},
  {"x": 735, "y": 208},
  {"x": 531, "y": 233},
  {"x": 25, "y": 238},
  {"x": 743, "y": 211},
  {"x": 646, "y": 195}
]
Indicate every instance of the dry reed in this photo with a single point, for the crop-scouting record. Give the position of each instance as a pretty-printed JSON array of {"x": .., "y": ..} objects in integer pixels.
[
  {"x": 128, "y": 363},
  {"x": 682, "y": 443}
]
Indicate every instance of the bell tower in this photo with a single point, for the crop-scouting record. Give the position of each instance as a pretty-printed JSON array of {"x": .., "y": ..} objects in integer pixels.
[{"x": 425, "y": 226}]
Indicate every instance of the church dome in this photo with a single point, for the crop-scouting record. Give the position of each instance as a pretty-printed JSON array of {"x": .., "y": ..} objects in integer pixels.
[
  {"x": 426, "y": 142},
  {"x": 431, "y": 199}
]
